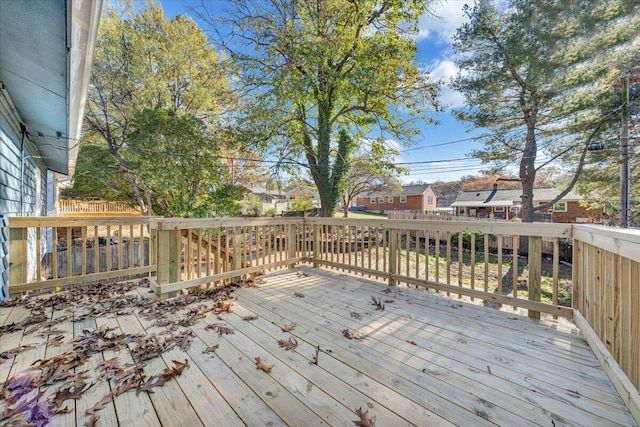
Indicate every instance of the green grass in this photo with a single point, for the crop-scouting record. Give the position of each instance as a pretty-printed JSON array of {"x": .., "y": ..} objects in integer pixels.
[{"x": 361, "y": 215}]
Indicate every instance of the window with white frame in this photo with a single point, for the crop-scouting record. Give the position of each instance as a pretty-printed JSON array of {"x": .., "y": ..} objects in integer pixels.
[
  {"x": 390, "y": 199},
  {"x": 430, "y": 200},
  {"x": 380, "y": 199},
  {"x": 403, "y": 199},
  {"x": 560, "y": 207},
  {"x": 373, "y": 200}
]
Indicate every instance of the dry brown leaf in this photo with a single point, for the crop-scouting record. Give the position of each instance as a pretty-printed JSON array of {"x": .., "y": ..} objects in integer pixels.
[
  {"x": 412, "y": 342},
  {"x": 93, "y": 421},
  {"x": 289, "y": 344},
  {"x": 388, "y": 301},
  {"x": 249, "y": 317},
  {"x": 101, "y": 404},
  {"x": 289, "y": 327},
  {"x": 377, "y": 303},
  {"x": 298, "y": 295},
  {"x": 262, "y": 366},
  {"x": 353, "y": 335},
  {"x": 356, "y": 316},
  {"x": 364, "y": 420},
  {"x": 71, "y": 392},
  {"x": 211, "y": 349},
  {"x": 387, "y": 291},
  {"x": 314, "y": 358}
]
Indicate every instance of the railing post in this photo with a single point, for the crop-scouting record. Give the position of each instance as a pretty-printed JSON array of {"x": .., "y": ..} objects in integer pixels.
[
  {"x": 316, "y": 244},
  {"x": 393, "y": 255},
  {"x": 535, "y": 272},
  {"x": 167, "y": 258},
  {"x": 236, "y": 263},
  {"x": 17, "y": 258},
  {"x": 291, "y": 243}
]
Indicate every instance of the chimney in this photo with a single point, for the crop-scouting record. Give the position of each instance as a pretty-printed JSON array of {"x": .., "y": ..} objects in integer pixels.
[{"x": 495, "y": 187}]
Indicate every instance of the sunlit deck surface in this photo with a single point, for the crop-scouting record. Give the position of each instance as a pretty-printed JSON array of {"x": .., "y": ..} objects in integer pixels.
[{"x": 423, "y": 360}]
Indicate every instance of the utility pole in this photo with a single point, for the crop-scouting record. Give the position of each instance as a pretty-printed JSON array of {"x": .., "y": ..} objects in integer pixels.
[{"x": 625, "y": 182}]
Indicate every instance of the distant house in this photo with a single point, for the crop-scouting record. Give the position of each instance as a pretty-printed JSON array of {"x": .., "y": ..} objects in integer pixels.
[
  {"x": 412, "y": 198},
  {"x": 46, "y": 52},
  {"x": 268, "y": 200},
  {"x": 304, "y": 192},
  {"x": 507, "y": 204}
]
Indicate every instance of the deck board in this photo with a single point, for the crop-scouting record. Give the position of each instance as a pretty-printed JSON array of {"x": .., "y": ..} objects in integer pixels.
[{"x": 426, "y": 361}]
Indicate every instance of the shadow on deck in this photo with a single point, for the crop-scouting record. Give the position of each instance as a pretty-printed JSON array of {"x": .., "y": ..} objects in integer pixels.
[{"x": 423, "y": 360}]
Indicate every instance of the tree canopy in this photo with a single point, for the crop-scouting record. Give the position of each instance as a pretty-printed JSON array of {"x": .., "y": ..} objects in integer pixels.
[
  {"x": 323, "y": 73},
  {"x": 157, "y": 115},
  {"x": 538, "y": 75}
]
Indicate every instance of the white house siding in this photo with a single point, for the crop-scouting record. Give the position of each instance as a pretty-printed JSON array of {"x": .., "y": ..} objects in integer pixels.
[{"x": 24, "y": 195}]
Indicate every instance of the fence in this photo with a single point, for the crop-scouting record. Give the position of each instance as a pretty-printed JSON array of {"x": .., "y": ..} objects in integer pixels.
[{"x": 95, "y": 208}]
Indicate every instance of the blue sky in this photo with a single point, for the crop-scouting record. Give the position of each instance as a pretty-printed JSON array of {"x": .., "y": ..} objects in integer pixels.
[{"x": 437, "y": 145}]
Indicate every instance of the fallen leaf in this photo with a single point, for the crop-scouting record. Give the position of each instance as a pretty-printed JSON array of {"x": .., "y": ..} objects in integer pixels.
[
  {"x": 412, "y": 342},
  {"x": 262, "y": 366},
  {"x": 364, "y": 420},
  {"x": 288, "y": 344},
  {"x": 314, "y": 358},
  {"x": 289, "y": 327},
  {"x": 211, "y": 349},
  {"x": 388, "y": 301},
  {"x": 93, "y": 421},
  {"x": 298, "y": 295},
  {"x": 387, "y": 291},
  {"x": 249, "y": 317},
  {"x": 355, "y": 315},
  {"x": 377, "y": 303},
  {"x": 353, "y": 335},
  {"x": 101, "y": 404},
  {"x": 71, "y": 392}
]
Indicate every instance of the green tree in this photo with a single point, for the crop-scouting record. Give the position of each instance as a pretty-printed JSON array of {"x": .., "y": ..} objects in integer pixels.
[
  {"x": 302, "y": 203},
  {"x": 536, "y": 74},
  {"x": 315, "y": 68},
  {"x": 146, "y": 68}
]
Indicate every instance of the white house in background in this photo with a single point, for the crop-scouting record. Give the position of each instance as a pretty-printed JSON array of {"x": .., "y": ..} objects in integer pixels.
[{"x": 46, "y": 52}]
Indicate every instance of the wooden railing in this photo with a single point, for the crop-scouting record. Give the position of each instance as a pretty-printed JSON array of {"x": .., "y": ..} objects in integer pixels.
[
  {"x": 203, "y": 251},
  {"x": 606, "y": 295},
  {"x": 94, "y": 208},
  {"x": 600, "y": 291},
  {"x": 48, "y": 252}
]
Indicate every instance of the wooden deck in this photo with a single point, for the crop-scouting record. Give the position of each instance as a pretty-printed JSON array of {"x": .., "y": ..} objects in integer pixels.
[{"x": 425, "y": 360}]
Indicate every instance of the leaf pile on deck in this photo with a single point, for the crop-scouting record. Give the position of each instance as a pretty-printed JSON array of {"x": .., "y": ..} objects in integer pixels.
[{"x": 25, "y": 402}]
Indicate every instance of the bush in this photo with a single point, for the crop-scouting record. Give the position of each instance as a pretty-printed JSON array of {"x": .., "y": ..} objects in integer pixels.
[{"x": 466, "y": 240}]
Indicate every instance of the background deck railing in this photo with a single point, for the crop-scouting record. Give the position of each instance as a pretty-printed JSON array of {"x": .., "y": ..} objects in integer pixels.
[
  {"x": 480, "y": 260},
  {"x": 95, "y": 208}
]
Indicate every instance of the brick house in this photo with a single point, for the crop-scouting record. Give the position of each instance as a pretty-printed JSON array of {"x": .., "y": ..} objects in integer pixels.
[
  {"x": 412, "y": 198},
  {"x": 506, "y": 204}
]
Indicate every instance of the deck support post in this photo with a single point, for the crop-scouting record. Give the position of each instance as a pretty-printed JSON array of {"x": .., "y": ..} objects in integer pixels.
[
  {"x": 394, "y": 236},
  {"x": 316, "y": 245},
  {"x": 17, "y": 259},
  {"x": 535, "y": 272},
  {"x": 168, "y": 256},
  {"x": 291, "y": 243},
  {"x": 236, "y": 262}
]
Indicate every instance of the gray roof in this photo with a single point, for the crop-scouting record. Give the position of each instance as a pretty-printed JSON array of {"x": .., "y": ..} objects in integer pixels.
[
  {"x": 508, "y": 197},
  {"x": 407, "y": 190}
]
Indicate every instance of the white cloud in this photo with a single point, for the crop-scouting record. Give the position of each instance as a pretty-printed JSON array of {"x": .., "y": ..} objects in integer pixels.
[
  {"x": 442, "y": 70},
  {"x": 442, "y": 22}
]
